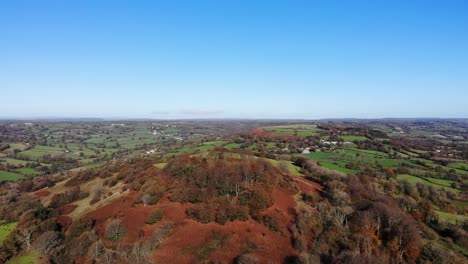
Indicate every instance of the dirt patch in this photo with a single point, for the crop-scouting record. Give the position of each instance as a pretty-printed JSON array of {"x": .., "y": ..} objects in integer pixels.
[
  {"x": 308, "y": 186},
  {"x": 184, "y": 244},
  {"x": 260, "y": 132},
  {"x": 66, "y": 209},
  {"x": 132, "y": 216},
  {"x": 42, "y": 193}
]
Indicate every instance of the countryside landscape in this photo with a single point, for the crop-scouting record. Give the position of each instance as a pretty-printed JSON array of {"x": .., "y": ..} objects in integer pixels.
[
  {"x": 233, "y": 132},
  {"x": 273, "y": 191}
]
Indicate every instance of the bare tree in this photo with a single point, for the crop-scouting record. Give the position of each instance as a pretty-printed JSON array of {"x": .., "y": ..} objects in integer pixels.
[
  {"x": 108, "y": 257},
  {"x": 47, "y": 242},
  {"x": 283, "y": 165},
  {"x": 96, "y": 250},
  {"x": 145, "y": 199},
  {"x": 26, "y": 234}
]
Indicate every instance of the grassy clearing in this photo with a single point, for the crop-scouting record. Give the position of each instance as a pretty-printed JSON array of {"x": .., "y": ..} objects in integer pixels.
[
  {"x": 9, "y": 176},
  {"x": 461, "y": 204},
  {"x": 27, "y": 259},
  {"x": 293, "y": 169},
  {"x": 215, "y": 143},
  {"x": 27, "y": 171},
  {"x": 232, "y": 146},
  {"x": 450, "y": 218},
  {"x": 5, "y": 230},
  {"x": 93, "y": 186},
  {"x": 160, "y": 165}
]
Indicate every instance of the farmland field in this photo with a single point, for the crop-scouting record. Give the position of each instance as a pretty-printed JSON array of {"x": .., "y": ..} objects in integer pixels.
[
  {"x": 437, "y": 183},
  {"x": 5, "y": 230},
  {"x": 9, "y": 176},
  {"x": 293, "y": 130}
]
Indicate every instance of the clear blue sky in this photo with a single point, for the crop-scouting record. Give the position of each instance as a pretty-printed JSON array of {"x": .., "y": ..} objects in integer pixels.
[{"x": 211, "y": 59}]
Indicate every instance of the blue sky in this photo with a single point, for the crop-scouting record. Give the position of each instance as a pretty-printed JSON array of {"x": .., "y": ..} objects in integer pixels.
[{"x": 234, "y": 59}]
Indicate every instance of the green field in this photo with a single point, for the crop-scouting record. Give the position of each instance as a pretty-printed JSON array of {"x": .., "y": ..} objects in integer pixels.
[
  {"x": 450, "y": 218},
  {"x": 337, "y": 165},
  {"x": 458, "y": 165},
  {"x": 15, "y": 162},
  {"x": 321, "y": 156},
  {"x": 27, "y": 171},
  {"x": 293, "y": 130},
  {"x": 293, "y": 169},
  {"x": 28, "y": 259},
  {"x": 428, "y": 181},
  {"x": 232, "y": 146},
  {"x": 160, "y": 165},
  {"x": 353, "y": 138},
  {"x": 5, "y": 230},
  {"x": 9, "y": 176},
  {"x": 38, "y": 151}
]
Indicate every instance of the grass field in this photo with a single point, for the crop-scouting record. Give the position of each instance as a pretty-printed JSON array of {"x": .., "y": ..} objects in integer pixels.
[
  {"x": 293, "y": 130},
  {"x": 450, "y": 218},
  {"x": 461, "y": 204},
  {"x": 293, "y": 169},
  {"x": 458, "y": 165},
  {"x": 9, "y": 176},
  {"x": 353, "y": 138},
  {"x": 5, "y": 230},
  {"x": 337, "y": 165},
  {"x": 28, "y": 259},
  {"x": 27, "y": 171},
  {"x": 39, "y": 151},
  {"x": 321, "y": 156},
  {"x": 15, "y": 162},
  {"x": 428, "y": 181},
  {"x": 232, "y": 146},
  {"x": 160, "y": 165}
]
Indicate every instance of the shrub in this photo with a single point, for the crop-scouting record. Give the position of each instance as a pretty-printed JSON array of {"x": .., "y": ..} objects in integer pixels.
[
  {"x": 80, "y": 226},
  {"x": 245, "y": 259},
  {"x": 115, "y": 230},
  {"x": 155, "y": 217},
  {"x": 270, "y": 222}
]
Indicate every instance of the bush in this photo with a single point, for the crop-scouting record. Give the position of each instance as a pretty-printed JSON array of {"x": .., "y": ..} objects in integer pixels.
[
  {"x": 155, "y": 217},
  {"x": 81, "y": 226},
  {"x": 115, "y": 230}
]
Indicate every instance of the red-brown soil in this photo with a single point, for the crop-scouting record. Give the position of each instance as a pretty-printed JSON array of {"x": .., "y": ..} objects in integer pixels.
[
  {"x": 66, "y": 209},
  {"x": 308, "y": 186},
  {"x": 42, "y": 193},
  {"x": 132, "y": 216}
]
